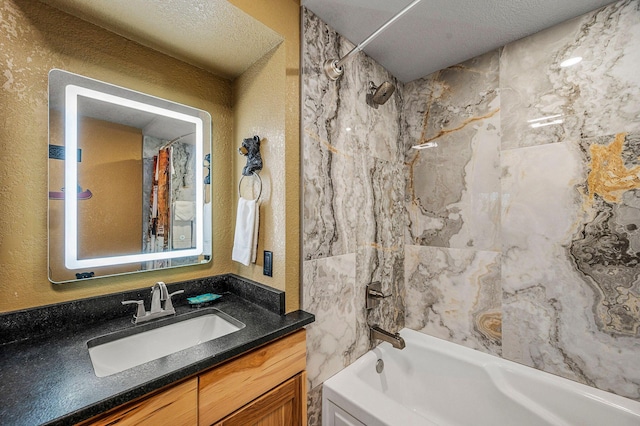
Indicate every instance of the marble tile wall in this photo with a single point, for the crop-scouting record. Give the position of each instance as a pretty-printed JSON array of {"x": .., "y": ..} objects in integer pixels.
[
  {"x": 452, "y": 204},
  {"x": 521, "y": 235},
  {"x": 452, "y": 189},
  {"x": 353, "y": 212}
]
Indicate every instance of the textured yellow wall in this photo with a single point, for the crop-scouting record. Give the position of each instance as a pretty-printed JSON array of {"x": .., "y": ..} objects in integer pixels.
[
  {"x": 259, "y": 110},
  {"x": 262, "y": 85},
  {"x": 35, "y": 38}
]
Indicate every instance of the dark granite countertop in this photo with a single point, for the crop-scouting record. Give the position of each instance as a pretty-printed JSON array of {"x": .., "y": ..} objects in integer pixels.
[{"x": 46, "y": 375}]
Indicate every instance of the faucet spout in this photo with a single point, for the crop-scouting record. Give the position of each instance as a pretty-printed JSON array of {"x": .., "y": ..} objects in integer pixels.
[
  {"x": 159, "y": 294},
  {"x": 395, "y": 339}
]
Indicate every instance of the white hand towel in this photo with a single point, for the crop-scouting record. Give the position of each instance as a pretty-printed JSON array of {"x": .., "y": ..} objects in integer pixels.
[
  {"x": 207, "y": 235},
  {"x": 256, "y": 226},
  {"x": 181, "y": 234},
  {"x": 184, "y": 210},
  {"x": 245, "y": 240}
]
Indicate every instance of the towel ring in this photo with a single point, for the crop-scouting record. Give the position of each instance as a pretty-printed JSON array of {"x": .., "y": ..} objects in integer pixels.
[{"x": 260, "y": 180}]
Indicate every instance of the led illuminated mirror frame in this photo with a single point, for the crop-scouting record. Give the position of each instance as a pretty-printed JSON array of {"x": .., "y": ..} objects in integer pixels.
[{"x": 139, "y": 167}]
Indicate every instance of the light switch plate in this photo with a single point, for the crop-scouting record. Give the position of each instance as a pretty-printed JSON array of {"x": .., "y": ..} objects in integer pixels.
[{"x": 268, "y": 264}]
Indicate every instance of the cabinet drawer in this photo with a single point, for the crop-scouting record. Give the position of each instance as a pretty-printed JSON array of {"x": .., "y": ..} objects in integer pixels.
[
  {"x": 177, "y": 406},
  {"x": 230, "y": 386}
]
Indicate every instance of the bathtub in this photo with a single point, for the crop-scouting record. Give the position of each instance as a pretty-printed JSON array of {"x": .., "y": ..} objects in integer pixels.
[{"x": 435, "y": 382}]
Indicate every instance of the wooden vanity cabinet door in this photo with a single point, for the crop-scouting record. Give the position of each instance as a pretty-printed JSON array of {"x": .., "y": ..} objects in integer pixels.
[
  {"x": 175, "y": 406},
  {"x": 281, "y": 406},
  {"x": 233, "y": 385}
]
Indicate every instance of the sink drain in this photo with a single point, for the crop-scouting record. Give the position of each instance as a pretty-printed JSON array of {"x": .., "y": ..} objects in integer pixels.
[{"x": 379, "y": 366}]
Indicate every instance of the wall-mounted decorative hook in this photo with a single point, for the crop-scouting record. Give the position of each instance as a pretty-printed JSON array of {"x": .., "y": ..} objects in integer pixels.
[{"x": 251, "y": 149}]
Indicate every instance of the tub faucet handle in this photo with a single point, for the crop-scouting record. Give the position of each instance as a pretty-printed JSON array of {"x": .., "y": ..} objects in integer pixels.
[
  {"x": 374, "y": 294},
  {"x": 378, "y": 294}
]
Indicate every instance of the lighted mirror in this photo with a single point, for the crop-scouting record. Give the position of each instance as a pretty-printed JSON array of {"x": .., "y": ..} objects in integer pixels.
[{"x": 129, "y": 181}]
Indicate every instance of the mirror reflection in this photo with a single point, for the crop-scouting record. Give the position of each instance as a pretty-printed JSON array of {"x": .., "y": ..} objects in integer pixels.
[{"x": 137, "y": 165}]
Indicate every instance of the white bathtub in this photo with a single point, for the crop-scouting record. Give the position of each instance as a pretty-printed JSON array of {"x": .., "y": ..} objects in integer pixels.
[{"x": 435, "y": 382}]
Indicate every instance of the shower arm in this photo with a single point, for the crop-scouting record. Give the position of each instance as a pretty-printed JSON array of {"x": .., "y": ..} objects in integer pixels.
[
  {"x": 333, "y": 67},
  {"x": 172, "y": 141}
]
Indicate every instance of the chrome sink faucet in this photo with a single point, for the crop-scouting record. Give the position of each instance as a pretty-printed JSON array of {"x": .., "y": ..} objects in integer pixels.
[{"x": 159, "y": 294}]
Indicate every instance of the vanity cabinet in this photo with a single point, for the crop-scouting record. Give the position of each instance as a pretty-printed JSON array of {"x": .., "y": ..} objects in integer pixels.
[
  {"x": 236, "y": 383},
  {"x": 266, "y": 386}
]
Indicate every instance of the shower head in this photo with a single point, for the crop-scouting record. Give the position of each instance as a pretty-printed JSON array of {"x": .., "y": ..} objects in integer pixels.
[{"x": 378, "y": 95}]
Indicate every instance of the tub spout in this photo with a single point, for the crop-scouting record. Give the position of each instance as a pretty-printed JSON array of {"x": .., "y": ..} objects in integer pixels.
[{"x": 395, "y": 339}]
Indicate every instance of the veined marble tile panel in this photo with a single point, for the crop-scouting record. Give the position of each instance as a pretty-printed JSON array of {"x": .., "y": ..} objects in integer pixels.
[
  {"x": 380, "y": 219},
  {"x": 452, "y": 191},
  {"x": 314, "y": 406},
  {"x": 377, "y": 129},
  {"x": 454, "y": 294},
  {"x": 380, "y": 246},
  {"x": 332, "y": 200},
  {"x": 596, "y": 97},
  {"x": 339, "y": 130},
  {"x": 460, "y": 96},
  {"x": 561, "y": 308},
  {"x": 384, "y": 264},
  {"x": 329, "y": 220},
  {"x": 606, "y": 248},
  {"x": 329, "y": 293}
]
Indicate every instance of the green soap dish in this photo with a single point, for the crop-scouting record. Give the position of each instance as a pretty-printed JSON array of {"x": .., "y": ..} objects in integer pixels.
[{"x": 203, "y": 298}]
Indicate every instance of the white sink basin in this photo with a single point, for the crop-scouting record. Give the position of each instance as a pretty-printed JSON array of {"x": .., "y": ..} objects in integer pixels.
[{"x": 113, "y": 354}]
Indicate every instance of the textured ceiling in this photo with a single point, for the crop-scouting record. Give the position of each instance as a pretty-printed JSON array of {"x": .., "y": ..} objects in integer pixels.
[
  {"x": 211, "y": 34},
  {"x": 436, "y": 34}
]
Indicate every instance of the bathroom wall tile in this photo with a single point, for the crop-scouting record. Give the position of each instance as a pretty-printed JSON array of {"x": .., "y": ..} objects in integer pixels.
[
  {"x": 538, "y": 221},
  {"x": 332, "y": 201},
  {"x": 455, "y": 295},
  {"x": 377, "y": 129},
  {"x": 329, "y": 293},
  {"x": 338, "y": 111},
  {"x": 452, "y": 190},
  {"x": 380, "y": 248},
  {"x": 353, "y": 209},
  {"x": 570, "y": 276},
  {"x": 460, "y": 97},
  {"x": 606, "y": 248},
  {"x": 329, "y": 218},
  {"x": 339, "y": 130},
  {"x": 596, "y": 97},
  {"x": 314, "y": 406},
  {"x": 384, "y": 264}
]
